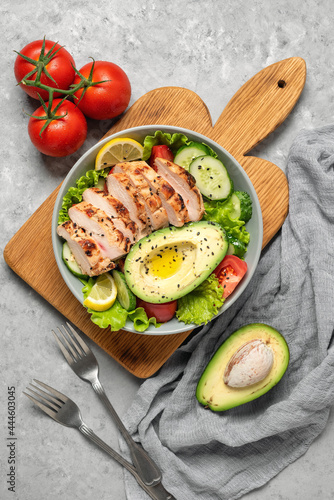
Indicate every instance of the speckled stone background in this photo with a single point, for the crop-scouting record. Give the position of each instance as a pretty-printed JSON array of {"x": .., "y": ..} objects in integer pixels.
[{"x": 211, "y": 48}]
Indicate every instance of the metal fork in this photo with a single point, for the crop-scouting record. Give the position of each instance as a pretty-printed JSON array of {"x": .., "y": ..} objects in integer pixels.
[
  {"x": 64, "y": 411},
  {"x": 83, "y": 362}
]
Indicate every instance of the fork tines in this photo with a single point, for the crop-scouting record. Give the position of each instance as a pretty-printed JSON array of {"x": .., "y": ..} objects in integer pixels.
[
  {"x": 74, "y": 347},
  {"x": 49, "y": 403}
]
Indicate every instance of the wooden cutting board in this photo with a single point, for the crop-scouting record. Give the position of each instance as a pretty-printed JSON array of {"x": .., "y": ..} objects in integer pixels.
[{"x": 255, "y": 111}]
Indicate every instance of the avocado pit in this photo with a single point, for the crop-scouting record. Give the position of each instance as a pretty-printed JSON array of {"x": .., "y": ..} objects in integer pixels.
[{"x": 250, "y": 364}]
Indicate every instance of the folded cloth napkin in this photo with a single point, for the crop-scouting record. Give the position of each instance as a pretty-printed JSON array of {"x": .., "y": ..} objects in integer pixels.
[{"x": 206, "y": 455}]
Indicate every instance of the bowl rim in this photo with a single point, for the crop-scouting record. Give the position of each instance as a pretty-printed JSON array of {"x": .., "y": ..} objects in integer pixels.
[{"x": 149, "y": 130}]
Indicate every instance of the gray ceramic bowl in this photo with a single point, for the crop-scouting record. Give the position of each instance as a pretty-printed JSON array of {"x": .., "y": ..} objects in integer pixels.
[{"x": 241, "y": 183}]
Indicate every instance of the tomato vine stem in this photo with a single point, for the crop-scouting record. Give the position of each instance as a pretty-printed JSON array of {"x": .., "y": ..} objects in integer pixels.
[
  {"x": 40, "y": 67},
  {"x": 50, "y": 114}
]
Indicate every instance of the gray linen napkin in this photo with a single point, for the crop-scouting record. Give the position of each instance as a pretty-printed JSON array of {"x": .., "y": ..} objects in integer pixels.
[{"x": 206, "y": 455}]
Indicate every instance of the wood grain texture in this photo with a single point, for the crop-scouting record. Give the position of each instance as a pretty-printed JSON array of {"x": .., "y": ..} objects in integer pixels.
[{"x": 257, "y": 109}]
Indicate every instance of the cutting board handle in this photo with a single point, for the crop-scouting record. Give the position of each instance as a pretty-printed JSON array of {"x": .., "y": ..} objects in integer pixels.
[{"x": 260, "y": 106}]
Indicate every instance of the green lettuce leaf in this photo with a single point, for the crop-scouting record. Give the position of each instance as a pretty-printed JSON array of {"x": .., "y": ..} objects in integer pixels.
[
  {"x": 246, "y": 206},
  {"x": 220, "y": 212},
  {"x": 202, "y": 304},
  {"x": 140, "y": 320},
  {"x": 211, "y": 151},
  {"x": 74, "y": 194},
  {"x": 174, "y": 142},
  {"x": 236, "y": 246},
  {"x": 116, "y": 316}
]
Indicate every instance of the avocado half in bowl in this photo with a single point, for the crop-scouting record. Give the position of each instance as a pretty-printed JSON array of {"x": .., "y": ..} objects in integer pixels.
[{"x": 240, "y": 181}]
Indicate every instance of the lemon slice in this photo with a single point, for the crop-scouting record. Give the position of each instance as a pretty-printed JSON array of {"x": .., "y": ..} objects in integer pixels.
[
  {"x": 117, "y": 151},
  {"x": 103, "y": 293}
]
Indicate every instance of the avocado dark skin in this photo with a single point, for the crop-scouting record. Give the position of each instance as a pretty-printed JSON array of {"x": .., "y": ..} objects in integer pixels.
[{"x": 214, "y": 393}]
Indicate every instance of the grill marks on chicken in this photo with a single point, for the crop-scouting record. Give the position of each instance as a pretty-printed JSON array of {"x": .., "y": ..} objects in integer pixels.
[
  {"x": 111, "y": 242},
  {"x": 155, "y": 211},
  {"x": 114, "y": 209},
  {"x": 119, "y": 186},
  {"x": 137, "y": 201},
  {"x": 171, "y": 200},
  {"x": 184, "y": 183},
  {"x": 84, "y": 249}
]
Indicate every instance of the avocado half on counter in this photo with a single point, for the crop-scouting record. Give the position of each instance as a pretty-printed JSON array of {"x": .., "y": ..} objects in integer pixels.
[{"x": 247, "y": 365}]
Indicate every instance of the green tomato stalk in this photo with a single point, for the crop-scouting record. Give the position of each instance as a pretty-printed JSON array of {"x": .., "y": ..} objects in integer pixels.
[
  {"x": 50, "y": 115},
  {"x": 40, "y": 67}
]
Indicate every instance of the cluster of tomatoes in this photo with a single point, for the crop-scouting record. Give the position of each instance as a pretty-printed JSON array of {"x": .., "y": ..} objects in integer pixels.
[{"x": 99, "y": 90}]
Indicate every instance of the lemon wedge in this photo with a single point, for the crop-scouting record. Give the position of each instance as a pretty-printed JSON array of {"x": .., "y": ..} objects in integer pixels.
[
  {"x": 117, "y": 151},
  {"x": 103, "y": 293}
]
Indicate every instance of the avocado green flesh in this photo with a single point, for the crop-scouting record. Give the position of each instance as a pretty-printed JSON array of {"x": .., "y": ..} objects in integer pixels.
[
  {"x": 212, "y": 391},
  {"x": 171, "y": 262}
]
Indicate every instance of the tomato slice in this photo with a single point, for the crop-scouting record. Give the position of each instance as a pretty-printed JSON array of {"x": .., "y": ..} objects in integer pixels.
[
  {"x": 162, "y": 312},
  {"x": 161, "y": 151},
  {"x": 230, "y": 272}
]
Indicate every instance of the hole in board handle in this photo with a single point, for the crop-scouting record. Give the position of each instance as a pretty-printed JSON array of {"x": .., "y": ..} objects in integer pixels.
[{"x": 281, "y": 84}]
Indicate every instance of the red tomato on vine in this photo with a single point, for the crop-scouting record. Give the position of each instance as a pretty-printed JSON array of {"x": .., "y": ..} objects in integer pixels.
[
  {"x": 58, "y": 130},
  {"x": 110, "y": 93},
  {"x": 46, "y": 59}
]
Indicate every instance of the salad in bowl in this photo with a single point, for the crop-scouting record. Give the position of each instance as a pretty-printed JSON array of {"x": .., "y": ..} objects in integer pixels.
[{"x": 156, "y": 230}]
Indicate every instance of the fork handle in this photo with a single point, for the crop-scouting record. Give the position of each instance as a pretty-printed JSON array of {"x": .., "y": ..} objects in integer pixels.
[
  {"x": 156, "y": 492},
  {"x": 93, "y": 437},
  {"x": 146, "y": 467}
]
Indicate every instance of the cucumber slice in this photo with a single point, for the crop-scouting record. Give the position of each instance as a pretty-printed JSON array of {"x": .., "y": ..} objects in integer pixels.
[
  {"x": 186, "y": 154},
  {"x": 71, "y": 263},
  {"x": 126, "y": 298},
  {"x": 235, "y": 247},
  {"x": 236, "y": 208},
  {"x": 212, "y": 178}
]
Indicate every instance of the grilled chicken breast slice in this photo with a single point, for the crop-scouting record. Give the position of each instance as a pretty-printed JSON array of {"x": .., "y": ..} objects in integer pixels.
[
  {"x": 85, "y": 250},
  {"x": 171, "y": 200},
  {"x": 119, "y": 186},
  {"x": 114, "y": 209},
  {"x": 154, "y": 209},
  {"x": 184, "y": 183},
  {"x": 111, "y": 242}
]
